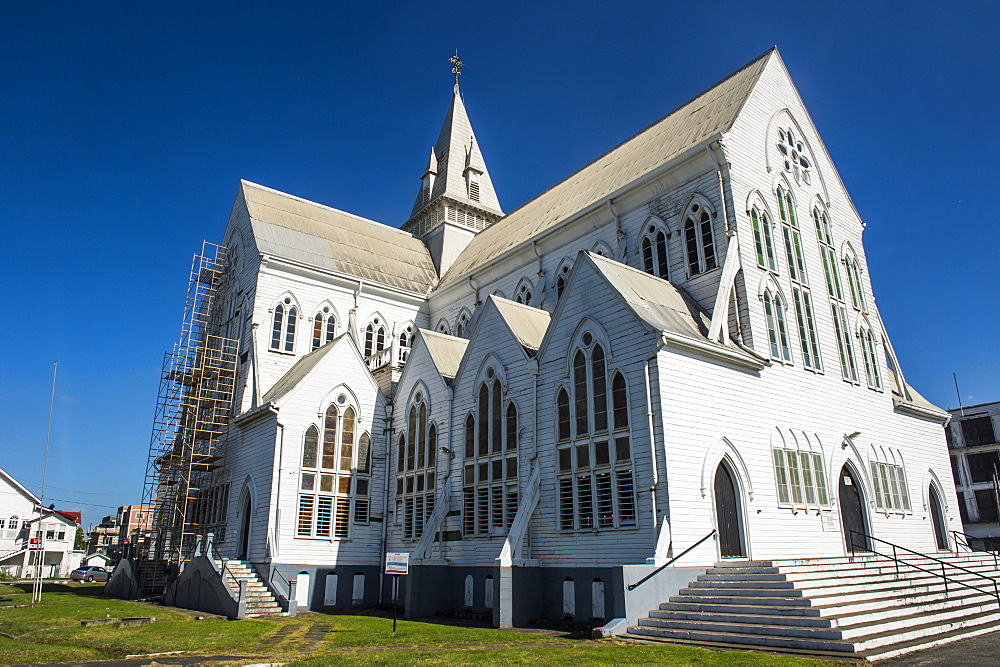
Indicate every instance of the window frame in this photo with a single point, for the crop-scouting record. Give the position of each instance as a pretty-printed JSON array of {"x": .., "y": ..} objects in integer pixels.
[
  {"x": 699, "y": 257},
  {"x": 596, "y": 485},
  {"x": 284, "y": 316},
  {"x": 344, "y": 507}
]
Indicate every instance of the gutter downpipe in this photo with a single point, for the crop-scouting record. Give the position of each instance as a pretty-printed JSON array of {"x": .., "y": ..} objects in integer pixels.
[
  {"x": 718, "y": 176},
  {"x": 660, "y": 345},
  {"x": 447, "y": 470},
  {"x": 256, "y": 372},
  {"x": 475, "y": 289},
  {"x": 387, "y": 458},
  {"x": 619, "y": 234},
  {"x": 275, "y": 551}
]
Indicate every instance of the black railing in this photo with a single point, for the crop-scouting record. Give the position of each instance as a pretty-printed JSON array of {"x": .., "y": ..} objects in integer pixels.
[
  {"x": 965, "y": 540},
  {"x": 652, "y": 574},
  {"x": 869, "y": 548}
]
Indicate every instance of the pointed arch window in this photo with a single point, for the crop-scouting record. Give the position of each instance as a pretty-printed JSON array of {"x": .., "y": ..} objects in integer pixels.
[
  {"x": 490, "y": 470},
  {"x": 562, "y": 278},
  {"x": 562, "y": 415},
  {"x": 405, "y": 343},
  {"x": 825, "y": 237},
  {"x": 872, "y": 373},
  {"x": 777, "y": 331},
  {"x": 792, "y": 237},
  {"x": 335, "y": 475},
  {"x": 804, "y": 317},
  {"x": 848, "y": 366},
  {"x": 415, "y": 472},
  {"x": 854, "y": 281},
  {"x": 654, "y": 252},
  {"x": 283, "y": 326},
  {"x": 763, "y": 239},
  {"x": 374, "y": 337},
  {"x": 596, "y": 483},
  {"x": 523, "y": 293},
  {"x": 699, "y": 244},
  {"x": 324, "y": 327},
  {"x": 462, "y": 327}
]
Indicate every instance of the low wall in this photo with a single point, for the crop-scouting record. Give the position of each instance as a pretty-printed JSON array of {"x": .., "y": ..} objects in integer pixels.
[
  {"x": 637, "y": 603},
  {"x": 200, "y": 587}
]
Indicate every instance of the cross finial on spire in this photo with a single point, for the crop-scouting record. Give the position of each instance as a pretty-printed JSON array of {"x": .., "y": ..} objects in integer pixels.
[{"x": 456, "y": 66}]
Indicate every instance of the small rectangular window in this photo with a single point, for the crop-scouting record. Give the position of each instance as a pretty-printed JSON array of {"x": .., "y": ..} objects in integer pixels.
[
  {"x": 986, "y": 503},
  {"x": 978, "y": 431},
  {"x": 586, "y": 501},
  {"x": 566, "y": 503}
]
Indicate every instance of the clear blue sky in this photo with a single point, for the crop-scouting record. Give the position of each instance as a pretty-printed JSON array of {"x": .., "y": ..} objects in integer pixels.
[{"x": 124, "y": 128}]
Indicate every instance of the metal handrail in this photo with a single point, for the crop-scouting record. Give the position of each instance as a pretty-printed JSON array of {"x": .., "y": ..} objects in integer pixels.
[
  {"x": 984, "y": 540},
  {"x": 669, "y": 562},
  {"x": 945, "y": 577},
  {"x": 288, "y": 584}
]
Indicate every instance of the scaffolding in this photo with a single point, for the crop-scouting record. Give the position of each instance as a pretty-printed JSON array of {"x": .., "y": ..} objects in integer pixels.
[{"x": 184, "y": 482}]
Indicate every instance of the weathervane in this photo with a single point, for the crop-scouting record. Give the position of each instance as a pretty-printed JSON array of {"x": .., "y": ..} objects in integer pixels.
[{"x": 456, "y": 66}]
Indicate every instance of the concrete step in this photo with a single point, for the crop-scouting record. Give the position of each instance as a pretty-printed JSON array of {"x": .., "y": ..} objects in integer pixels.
[
  {"x": 708, "y": 598},
  {"x": 741, "y": 638},
  {"x": 736, "y": 617},
  {"x": 711, "y": 576},
  {"x": 743, "y": 584},
  {"x": 895, "y": 649},
  {"x": 723, "y": 608},
  {"x": 743, "y": 628},
  {"x": 739, "y": 591}
]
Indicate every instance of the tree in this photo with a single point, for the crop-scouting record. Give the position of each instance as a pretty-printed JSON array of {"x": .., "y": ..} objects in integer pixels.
[{"x": 81, "y": 541}]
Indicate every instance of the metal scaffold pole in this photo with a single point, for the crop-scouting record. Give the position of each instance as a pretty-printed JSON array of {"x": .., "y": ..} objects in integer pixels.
[{"x": 184, "y": 484}]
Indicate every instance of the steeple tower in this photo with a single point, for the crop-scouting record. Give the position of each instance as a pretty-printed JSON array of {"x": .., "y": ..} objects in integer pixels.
[{"x": 456, "y": 198}]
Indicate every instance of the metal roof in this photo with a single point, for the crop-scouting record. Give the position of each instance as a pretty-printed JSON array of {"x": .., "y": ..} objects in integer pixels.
[
  {"x": 299, "y": 370},
  {"x": 710, "y": 113},
  {"x": 304, "y": 231},
  {"x": 446, "y": 351},
  {"x": 527, "y": 324}
]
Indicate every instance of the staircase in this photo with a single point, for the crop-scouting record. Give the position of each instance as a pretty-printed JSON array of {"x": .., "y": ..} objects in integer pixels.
[
  {"x": 260, "y": 601},
  {"x": 833, "y": 607}
]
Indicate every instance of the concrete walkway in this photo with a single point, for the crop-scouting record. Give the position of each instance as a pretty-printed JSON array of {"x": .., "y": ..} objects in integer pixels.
[{"x": 978, "y": 651}]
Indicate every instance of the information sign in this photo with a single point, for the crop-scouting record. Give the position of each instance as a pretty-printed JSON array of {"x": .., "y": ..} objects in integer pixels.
[{"x": 397, "y": 563}]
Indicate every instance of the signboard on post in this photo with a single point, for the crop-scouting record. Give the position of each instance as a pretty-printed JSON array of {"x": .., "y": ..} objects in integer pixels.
[
  {"x": 397, "y": 563},
  {"x": 36, "y": 542}
]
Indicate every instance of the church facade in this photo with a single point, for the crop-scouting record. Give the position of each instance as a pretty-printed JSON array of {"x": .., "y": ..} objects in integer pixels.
[{"x": 677, "y": 345}]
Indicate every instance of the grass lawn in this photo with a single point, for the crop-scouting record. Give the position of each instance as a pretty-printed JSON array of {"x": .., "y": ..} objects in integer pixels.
[{"x": 51, "y": 632}]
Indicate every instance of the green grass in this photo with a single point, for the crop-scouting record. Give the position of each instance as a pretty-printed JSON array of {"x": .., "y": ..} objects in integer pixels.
[{"x": 51, "y": 632}]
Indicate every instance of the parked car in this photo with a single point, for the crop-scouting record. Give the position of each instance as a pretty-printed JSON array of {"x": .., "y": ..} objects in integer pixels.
[{"x": 90, "y": 573}]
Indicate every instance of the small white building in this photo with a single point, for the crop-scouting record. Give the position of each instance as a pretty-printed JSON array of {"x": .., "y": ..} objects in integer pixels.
[
  {"x": 24, "y": 533},
  {"x": 679, "y": 338}
]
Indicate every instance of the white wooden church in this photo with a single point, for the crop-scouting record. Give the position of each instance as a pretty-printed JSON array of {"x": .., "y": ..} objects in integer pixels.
[{"x": 677, "y": 345}]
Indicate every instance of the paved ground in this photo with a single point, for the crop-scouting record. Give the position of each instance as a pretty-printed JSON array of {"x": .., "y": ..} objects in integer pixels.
[{"x": 980, "y": 651}]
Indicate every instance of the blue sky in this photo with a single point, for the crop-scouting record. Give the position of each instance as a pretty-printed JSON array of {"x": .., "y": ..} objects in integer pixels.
[{"x": 124, "y": 128}]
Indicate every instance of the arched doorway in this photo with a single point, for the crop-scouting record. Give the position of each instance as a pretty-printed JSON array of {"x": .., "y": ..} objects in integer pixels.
[
  {"x": 245, "y": 527},
  {"x": 852, "y": 511},
  {"x": 727, "y": 514},
  {"x": 938, "y": 520}
]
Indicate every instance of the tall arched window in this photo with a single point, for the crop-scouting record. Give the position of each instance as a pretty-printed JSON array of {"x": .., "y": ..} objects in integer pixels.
[
  {"x": 825, "y": 238},
  {"x": 699, "y": 244},
  {"x": 562, "y": 415},
  {"x": 490, "y": 476},
  {"x": 792, "y": 236},
  {"x": 405, "y": 342},
  {"x": 763, "y": 239},
  {"x": 777, "y": 331},
  {"x": 283, "y": 326},
  {"x": 595, "y": 484},
  {"x": 462, "y": 326},
  {"x": 415, "y": 474},
  {"x": 654, "y": 252},
  {"x": 872, "y": 373},
  {"x": 374, "y": 337},
  {"x": 854, "y": 281},
  {"x": 334, "y": 480},
  {"x": 324, "y": 327}
]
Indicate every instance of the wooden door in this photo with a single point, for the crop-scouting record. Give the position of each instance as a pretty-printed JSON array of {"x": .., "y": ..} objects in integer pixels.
[
  {"x": 852, "y": 512},
  {"x": 727, "y": 515},
  {"x": 938, "y": 519}
]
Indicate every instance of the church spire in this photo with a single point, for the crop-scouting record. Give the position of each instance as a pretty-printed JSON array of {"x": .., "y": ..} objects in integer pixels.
[{"x": 455, "y": 186}]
